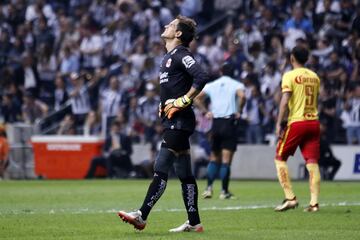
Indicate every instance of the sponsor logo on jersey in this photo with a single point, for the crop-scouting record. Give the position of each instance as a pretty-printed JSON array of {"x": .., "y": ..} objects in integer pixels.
[
  {"x": 168, "y": 63},
  {"x": 188, "y": 61},
  {"x": 164, "y": 77},
  {"x": 301, "y": 79}
]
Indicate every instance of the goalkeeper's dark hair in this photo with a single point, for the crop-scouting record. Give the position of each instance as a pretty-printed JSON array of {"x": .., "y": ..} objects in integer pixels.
[
  {"x": 188, "y": 28},
  {"x": 301, "y": 54}
]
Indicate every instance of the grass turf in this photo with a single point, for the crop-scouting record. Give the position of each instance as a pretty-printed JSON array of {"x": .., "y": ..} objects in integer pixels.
[{"x": 87, "y": 210}]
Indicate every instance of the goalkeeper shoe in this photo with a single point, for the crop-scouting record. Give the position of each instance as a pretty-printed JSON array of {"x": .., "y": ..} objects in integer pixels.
[
  {"x": 287, "y": 204},
  {"x": 226, "y": 195},
  {"x": 133, "y": 218},
  {"x": 186, "y": 227},
  {"x": 207, "y": 193},
  {"x": 312, "y": 208}
]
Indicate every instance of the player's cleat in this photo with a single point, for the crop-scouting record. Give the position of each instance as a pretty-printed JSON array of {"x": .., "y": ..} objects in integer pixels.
[
  {"x": 287, "y": 204},
  {"x": 207, "y": 193},
  {"x": 226, "y": 195},
  {"x": 312, "y": 208},
  {"x": 133, "y": 218},
  {"x": 186, "y": 227}
]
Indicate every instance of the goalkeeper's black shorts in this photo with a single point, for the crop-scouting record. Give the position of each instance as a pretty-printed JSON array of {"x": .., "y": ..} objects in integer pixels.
[{"x": 177, "y": 140}]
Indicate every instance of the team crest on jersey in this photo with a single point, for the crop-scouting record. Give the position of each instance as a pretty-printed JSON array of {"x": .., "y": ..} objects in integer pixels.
[
  {"x": 188, "y": 61},
  {"x": 168, "y": 63}
]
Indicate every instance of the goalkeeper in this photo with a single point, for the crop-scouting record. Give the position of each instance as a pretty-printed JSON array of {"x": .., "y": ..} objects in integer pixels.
[{"x": 181, "y": 80}]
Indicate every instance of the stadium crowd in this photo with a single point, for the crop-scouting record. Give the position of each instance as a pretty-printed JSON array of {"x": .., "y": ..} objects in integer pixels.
[{"x": 103, "y": 58}]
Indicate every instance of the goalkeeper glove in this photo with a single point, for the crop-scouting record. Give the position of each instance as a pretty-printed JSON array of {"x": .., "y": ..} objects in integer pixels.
[{"x": 174, "y": 105}]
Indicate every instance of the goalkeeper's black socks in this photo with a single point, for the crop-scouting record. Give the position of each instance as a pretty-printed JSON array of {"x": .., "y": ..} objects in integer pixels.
[
  {"x": 225, "y": 176},
  {"x": 190, "y": 197},
  {"x": 156, "y": 189},
  {"x": 212, "y": 172}
]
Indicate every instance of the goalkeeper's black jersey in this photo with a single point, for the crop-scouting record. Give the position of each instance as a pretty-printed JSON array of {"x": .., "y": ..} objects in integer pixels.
[{"x": 179, "y": 71}]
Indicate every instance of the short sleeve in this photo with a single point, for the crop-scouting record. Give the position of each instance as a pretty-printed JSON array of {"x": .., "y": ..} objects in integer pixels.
[
  {"x": 239, "y": 86},
  {"x": 286, "y": 83},
  {"x": 206, "y": 89}
]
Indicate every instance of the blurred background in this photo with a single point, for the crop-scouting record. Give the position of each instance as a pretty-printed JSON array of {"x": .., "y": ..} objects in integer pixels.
[{"x": 69, "y": 69}]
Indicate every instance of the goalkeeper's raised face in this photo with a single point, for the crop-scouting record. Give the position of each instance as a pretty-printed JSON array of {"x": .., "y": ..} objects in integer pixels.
[{"x": 182, "y": 28}]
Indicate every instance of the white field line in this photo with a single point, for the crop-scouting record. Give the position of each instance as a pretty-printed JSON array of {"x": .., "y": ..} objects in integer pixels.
[{"x": 214, "y": 208}]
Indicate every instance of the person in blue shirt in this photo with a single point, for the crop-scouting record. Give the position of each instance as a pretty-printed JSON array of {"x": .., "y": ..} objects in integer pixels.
[
  {"x": 299, "y": 21},
  {"x": 227, "y": 100}
]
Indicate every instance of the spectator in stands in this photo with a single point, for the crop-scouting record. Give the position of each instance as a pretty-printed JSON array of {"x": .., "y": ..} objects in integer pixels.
[
  {"x": 5, "y": 46},
  {"x": 189, "y": 8},
  {"x": 249, "y": 76},
  {"x": 79, "y": 98},
  {"x": 257, "y": 56},
  {"x": 60, "y": 95},
  {"x": 327, "y": 162},
  {"x": 91, "y": 47},
  {"x": 148, "y": 111},
  {"x": 112, "y": 101},
  {"x": 47, "y": 67},
  {"x": 235, "y": 56},
  {"x": 157, "y": 53},
  {"x": 116, "y": 157},
  {"x": 156, "y": 20},
  {"x": 327, "y": 112},
  {"x": 268, "y": 25},
  {"x": 200, "y": 58},
  {"x": 33, "y": 109},
  {"x": 355, "y": 75},
  {"x": 42, "y": 32},
  {"x": 298, "y": 26},
  {"x": 213, "y": 53},
  {"x": 149, "y": 71},
  {"x": 10, "y": 108},
  {"x": 29, "y": 76},
  {"x": 248, "y": 34},
  {"x": 137, "y": 58},
  {"x": 226, "y": 36},
  {"x": 270, "y": 81},
  {"x": 347, "y": 11},
  {"x": 255, "y": 112},
  {"x": 124, "y": 36},
  {"x": 276, "y": 51},
  {"x": 69, "y": 62},
  {"x": 128, "y": 80},
  {"x": 131, "y": 113},
  {"x": 323, "y": 50},
  {"x": 351, "y": 116},
  {"x": 355, "y": 28},
  {"x": 299, "y": 21},
  {"x": 336, "y": 75},
  {"x": 92, "y": 124},
  {"x": 67, "y": 126},
  {"x": 4, "y": 151}
]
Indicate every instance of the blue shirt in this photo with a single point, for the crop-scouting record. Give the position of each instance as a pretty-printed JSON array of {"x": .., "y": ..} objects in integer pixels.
[
  {"x": 223, "y": 97},
  {"x": 304, "y": 24}
]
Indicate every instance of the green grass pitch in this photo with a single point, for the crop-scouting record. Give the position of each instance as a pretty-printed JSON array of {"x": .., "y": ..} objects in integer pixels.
[{"x": 87, "y": 210}]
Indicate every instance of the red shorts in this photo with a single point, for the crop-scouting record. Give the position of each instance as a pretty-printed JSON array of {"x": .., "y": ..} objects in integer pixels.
[{"x": 306, "y": 135}]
